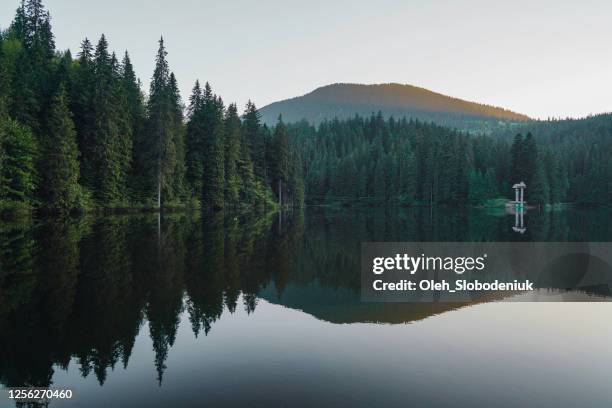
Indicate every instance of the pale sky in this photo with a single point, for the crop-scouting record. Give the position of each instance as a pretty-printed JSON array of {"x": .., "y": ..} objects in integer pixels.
[{"x": 541, "y": 58}]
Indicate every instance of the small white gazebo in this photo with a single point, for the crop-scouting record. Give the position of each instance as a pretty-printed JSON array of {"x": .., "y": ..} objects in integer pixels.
[
  {"x": 519, "y": 192},
  {"x": 519, "y": 207}
]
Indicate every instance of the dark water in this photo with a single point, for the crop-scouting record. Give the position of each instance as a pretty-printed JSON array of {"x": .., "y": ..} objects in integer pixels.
[{"x": 183, "y": 310}]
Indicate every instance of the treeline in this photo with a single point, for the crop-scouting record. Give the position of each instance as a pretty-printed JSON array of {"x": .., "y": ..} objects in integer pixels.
[
  {"x": 408, "y": 162},
  {"x": 376, "y": 160},
  {"x": 79, "y": 132},
  {"x": 572, "y": 162}
]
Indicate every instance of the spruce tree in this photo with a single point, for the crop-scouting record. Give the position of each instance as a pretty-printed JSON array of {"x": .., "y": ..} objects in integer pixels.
[
  {"x": 60, "y": 187},
  {"x": 108, "y": 151},
  {"x": 178, "y": 139},
  {"x": 161, "y": 151},
  {"x": 81, "y": 101},
  {"x": 232, "y": 155},
  {"x": 280, "y": 159},
  {"x": 213, "y": 180},
  {"x": 136, "y": 116},
  {"x": 254, "y": 139},
  {"x": 194, "y": 142},
  {"x": 32, "y": 85}
]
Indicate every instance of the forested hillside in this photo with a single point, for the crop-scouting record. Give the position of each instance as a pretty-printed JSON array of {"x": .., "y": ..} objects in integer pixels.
[
  {"x": 343, "y": 101},
  {"x": 377, "y": 161},
  {"x": 582, "y": 149},
  {"x": 78, "y": 132}
]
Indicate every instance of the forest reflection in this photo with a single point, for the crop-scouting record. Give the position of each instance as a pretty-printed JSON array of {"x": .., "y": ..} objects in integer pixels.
[{"x": 81, "y": 289}]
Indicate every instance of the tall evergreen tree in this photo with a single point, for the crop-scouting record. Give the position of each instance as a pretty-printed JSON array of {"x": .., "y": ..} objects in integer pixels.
[
  {"x": 82, "y": 102},
  {"x": 107, "y": 153},
  {"x": 213, "y": 181},
  {"x": 60, "y": 187},
  {"x": 161, "y": 151},
  {"x": 280, "y": 159},
  {"x": 136, "y": 116},
  {"x": 232, "y": 155},
  {"x": 178, "y": 139},
  {"x": 254, "y": 139},
  {"x": 195, "y": 141},
  {"x": 31, "y": 83}
]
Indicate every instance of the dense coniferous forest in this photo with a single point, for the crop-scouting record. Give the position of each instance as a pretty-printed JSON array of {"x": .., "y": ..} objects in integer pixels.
[
  {"x": 408, "y": 162},
  {"x": 79, "y": 133}
]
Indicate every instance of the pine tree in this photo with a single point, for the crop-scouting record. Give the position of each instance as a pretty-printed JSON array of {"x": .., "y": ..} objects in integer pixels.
[
  {"x": 108, "y": 151},
  {"x": 246, "y": 173},
  {"x": 213, "y": 181},
  {"x": 32, "y": 85},
  {"x": 254, "y": 139},
  {"x": 178, "y": 139},
  {"x": 194, "y": 141},
  {"x": 60, "y": 187},
  {"x": 232, "y": 155},
  {"x": 81, "y": 102},
  {"x": 161, "y": 151},
  {"x": 136, "y": 116},
  {"x": 280, "y": 159}
]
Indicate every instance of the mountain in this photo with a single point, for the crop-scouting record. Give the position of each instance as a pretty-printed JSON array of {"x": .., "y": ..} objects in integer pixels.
[{"x": 346, "y": 100}]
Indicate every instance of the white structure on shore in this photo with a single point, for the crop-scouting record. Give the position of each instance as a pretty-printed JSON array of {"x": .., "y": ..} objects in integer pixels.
[
  {"x": 519, "y": 207},
  {"x": 519, "y": 193}
]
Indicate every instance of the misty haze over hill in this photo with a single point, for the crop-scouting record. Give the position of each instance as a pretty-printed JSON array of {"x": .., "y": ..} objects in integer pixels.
[{"x": 346, "y": 100}]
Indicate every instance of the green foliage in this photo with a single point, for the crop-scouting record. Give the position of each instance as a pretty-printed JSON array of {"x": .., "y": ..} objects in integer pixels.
[
  {"x": 18, "y": 154},
  {"x": 481, "y": 187},
  {"x": 60, "y": 187},
  {"x": 254, "y": 138},
  {"x": 160, "y": 150},
  {"x": 108, "y": 148},
  {"x": 102, "y": 147},
  {"x": 213, "y": 176},
  {"x": 232, "y": 155},
  {"x": 376, "y": 161},
  {"x": 540, "y": 187},
  {"x": 279, "y": 159}
]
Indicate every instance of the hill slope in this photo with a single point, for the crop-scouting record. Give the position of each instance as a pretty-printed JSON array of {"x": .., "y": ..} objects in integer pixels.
[{"x": 346, "y": 100}]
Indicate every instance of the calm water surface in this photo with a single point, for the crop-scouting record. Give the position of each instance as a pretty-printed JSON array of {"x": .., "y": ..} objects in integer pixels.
[{"x": 183, "y": 310}]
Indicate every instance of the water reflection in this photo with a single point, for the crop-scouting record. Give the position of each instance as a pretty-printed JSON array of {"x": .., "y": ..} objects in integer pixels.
[{"x": 82, "y": 289}]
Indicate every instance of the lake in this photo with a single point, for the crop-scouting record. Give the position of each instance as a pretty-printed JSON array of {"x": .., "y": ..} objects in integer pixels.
[{"x": 186, "y": 310}]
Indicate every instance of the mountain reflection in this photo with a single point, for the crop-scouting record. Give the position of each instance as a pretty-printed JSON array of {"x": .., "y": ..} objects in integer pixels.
[{"x": 81, "y": 289}]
